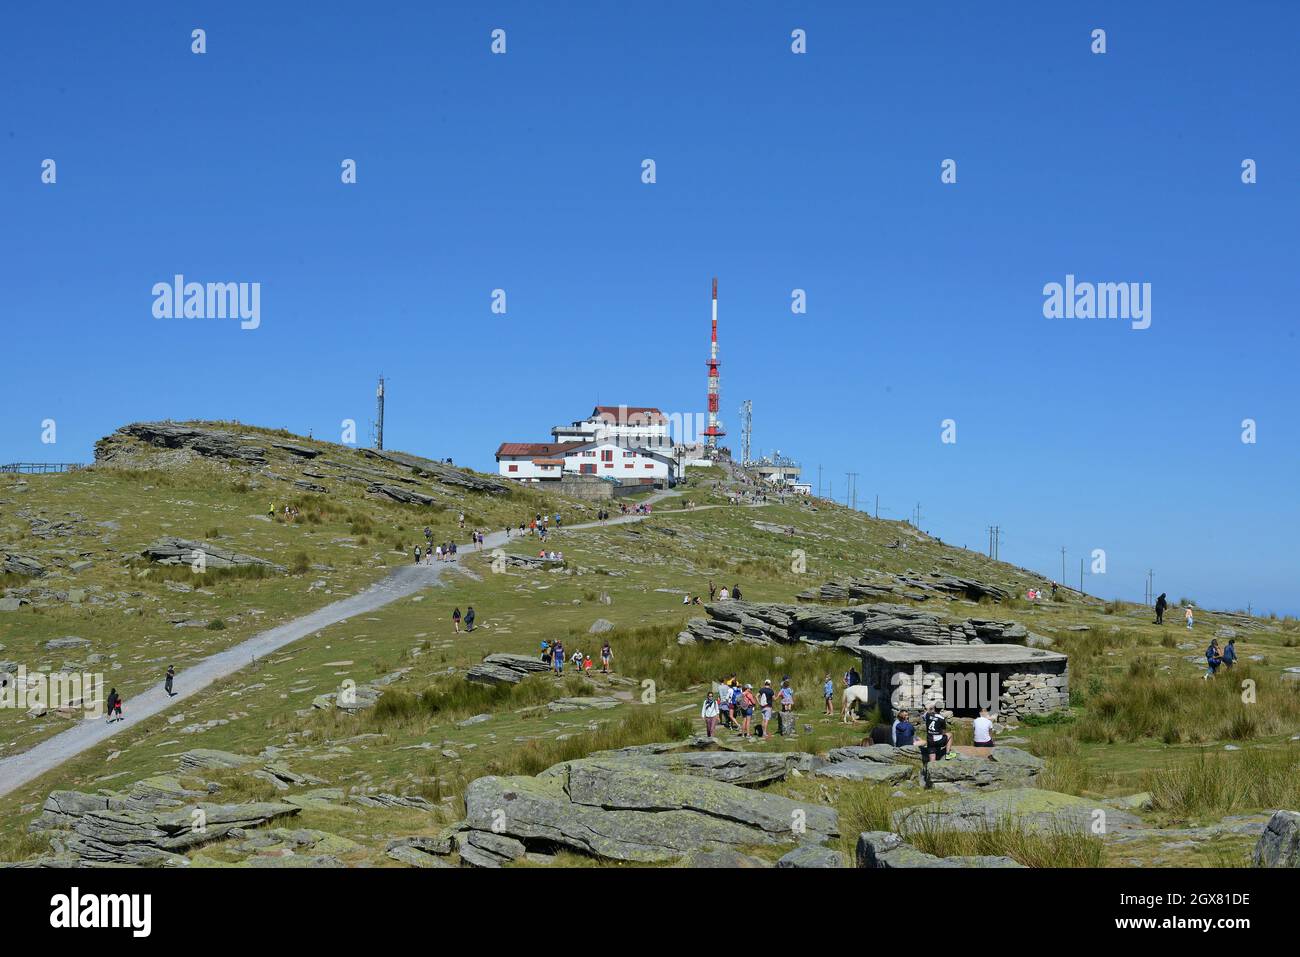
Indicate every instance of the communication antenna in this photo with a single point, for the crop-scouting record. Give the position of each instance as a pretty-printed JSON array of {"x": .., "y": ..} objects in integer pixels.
[
  {"x": 746, "y": 429},
  {"x": 379, "y": 421}
]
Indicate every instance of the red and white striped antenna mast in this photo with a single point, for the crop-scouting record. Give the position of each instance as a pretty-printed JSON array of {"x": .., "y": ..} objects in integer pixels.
[{"x": 715, "y": 429}]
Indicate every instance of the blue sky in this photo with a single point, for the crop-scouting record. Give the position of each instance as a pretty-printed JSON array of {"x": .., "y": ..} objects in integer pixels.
[{"x": 775, "y": 171}]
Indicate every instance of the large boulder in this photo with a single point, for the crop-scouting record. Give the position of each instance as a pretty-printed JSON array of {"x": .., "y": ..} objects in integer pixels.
[
  {"x": 730, "y": 767},
  {"x": 611, "y": 810},
  {"x": 12, "y": 563},
  {"x": 1030, "y": 808},
  {"x": 171, "y": 550},
  {"x": 1279, "y": 845},
  {"x": 885, "y": 849}
]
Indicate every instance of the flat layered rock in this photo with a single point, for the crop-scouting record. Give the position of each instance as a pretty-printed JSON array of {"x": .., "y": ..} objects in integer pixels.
[
  {"x": 617, "y": 812},
  {"x": 175, "y": 551},
  {"x": 882, "y": 850},
  {"x": 1032, "y": 808}
]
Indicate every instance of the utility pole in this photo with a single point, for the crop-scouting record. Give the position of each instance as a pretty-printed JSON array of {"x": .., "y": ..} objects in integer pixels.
[
  {"x": 877, "y": 506},
  {"x": 1062, "y": 564},
  {"x": 1151, "y": 587},
  {"x": 819, "y": 481},
  {"x": 916, "y": 517},
  {"x": 853, "y": 490},
  {"x": 379, "y": 422}
]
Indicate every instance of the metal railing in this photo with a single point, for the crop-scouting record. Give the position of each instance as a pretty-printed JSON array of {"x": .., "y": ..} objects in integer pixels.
[{"x": 41, "y": 468}]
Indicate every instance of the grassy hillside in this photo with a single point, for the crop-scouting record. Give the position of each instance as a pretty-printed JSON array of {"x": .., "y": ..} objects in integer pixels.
[{"x": 1141, "y": 718}]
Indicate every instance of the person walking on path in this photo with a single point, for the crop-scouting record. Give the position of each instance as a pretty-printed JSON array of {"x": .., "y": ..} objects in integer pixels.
[
  {"x": 1188, "y": 616},
  {"x": 1161, "y": 604},
  {"x": 747, "y": 702},
  {"x": 557, "y": 657},
  {"x": 167, "y": 682},
  {"x": 469, "y": 618},
  {"x": 710, "y": 714},
  {"x": 606, "y": 656},
  {"x": 455, "y": 619},
  {"x": 114, "y": 706},
  {"x": 417, "y": 554},
  {"x": 1212, "y": 659}
]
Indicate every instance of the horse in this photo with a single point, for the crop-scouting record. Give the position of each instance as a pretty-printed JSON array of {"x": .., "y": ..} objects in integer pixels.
[{"x": 853, "y": 696}]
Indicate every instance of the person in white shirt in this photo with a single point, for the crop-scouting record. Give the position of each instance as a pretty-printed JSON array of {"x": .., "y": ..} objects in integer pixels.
[
  {"x": 724, "y": 595},
  {"x": 983, "y": 728}
]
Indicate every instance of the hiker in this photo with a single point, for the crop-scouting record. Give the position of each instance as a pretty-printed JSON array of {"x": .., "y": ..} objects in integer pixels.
[
  {"x": 786, "y": 694},
  {"x": 114, "y": 706},
  {"x": 937, "y": 739},
  {"x": 723, "y": 595},
  {"x": 710, "y": 713},
  {"x": 1212, "y": 659},
  {"x": 1188, "y": 617},
  {"x": 1161, "y": 604},
  {"x": 1230, "y": 653},
  {"x": 469, "y": 618},
  {"x": 983, "y": 729},
  {"x": 417, "y": 554},
  {"x": 902, "y": 732},
  {"x": 735, "y": 592},
  {"x": 851, "y": 677},
  {"x": 606, "y": 656},
  {"x": 455, "y": 619},
  {"x": 747, "y": 702},
  {"x": 713, "y": 590},
  {"x": 686, "y": 598},
  {"x": 546, "y": 651},
  {"x": 577, "y": 661},
  {"x": 167, "y": 682},
  {"x": 557, "y": 657},
  {"x": 828, "y": 692},
  {"x": 766, "y": 699},
  {"x": 586, "y": 663}
]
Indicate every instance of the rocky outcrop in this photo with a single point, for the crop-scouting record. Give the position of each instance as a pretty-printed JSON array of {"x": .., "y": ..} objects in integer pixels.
[
  {"x": 1279, "y": 845},
  {"x": 213, "y": 443},
  {"x": 406, "y": 496},
  {"x": 95, "y": 829},
  {"x": 1026, "y": 807},
  {"x": 175, "y": 551},
  {"x": 12, "y": 563},
  {"x": 851, "y": 628},
  {"x": 441, "y": 472},
  {"x": 618, "y": 811},
  {"x": 729, "y": 767},
  {"x": 505, "y": 669},
  {"x": 876, "y": 585},
  {"x": 885, "y": 849}
]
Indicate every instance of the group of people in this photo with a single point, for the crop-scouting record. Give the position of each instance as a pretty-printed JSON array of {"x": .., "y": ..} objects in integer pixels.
[
  {"x": 113, "y": 707},
  {"x": 445, "y": 552},
  {"x": 553, "y": 654},
  {"x": 716, "y": 594},
  {"x": 1216, "y": 658},
  {"x": 639, "y": 509},
  {"x": 468, "y": 619},
  {"x": 1162, "y": 605},
  {"x": 733, "y": 704},
  {"x": 551, "y": 555}
]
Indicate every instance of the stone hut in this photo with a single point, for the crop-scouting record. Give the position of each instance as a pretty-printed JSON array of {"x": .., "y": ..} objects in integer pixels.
[{"x": 1009, "y": 680}]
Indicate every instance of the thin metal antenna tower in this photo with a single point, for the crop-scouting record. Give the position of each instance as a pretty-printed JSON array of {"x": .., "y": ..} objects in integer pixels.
[
  {"x": 746, "y": 429},
  {"x": 379, "y": 420}
]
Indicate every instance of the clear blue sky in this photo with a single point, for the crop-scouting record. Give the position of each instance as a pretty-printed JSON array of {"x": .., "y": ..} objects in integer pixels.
[{"x": 775, "y": 171}]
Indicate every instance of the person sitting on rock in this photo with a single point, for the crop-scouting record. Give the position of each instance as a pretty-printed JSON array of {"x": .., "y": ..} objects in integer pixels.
[{"x": 902, "y": 733}]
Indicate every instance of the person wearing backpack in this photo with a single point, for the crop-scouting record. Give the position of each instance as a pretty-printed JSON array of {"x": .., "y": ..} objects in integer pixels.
[
  {"x": 455, "y": 619},
  {"x": 469, "y": 618},
  {"x": 747, "y": 703}
]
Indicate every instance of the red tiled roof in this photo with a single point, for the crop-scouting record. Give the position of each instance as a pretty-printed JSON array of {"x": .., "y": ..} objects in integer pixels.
[
  {"x": 548, "y": 461},
  {"x": 535, "y": 448}
]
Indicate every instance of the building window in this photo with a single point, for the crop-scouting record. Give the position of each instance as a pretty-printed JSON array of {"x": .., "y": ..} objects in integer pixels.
[
  {"x": 514, "y": 468},
  {"x": 649, "y": 465},
  {"x": 607, "y": 455},
  {"x": 629, "y": 455}
]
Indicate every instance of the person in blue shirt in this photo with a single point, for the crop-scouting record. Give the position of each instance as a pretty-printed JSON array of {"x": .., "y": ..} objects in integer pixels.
[
  {"x": 902, "y": 733},
  {"x": 1230, "y": 653},
  {"x": 828, "y": 691},
  {"x": 1212, "y": 659}
]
